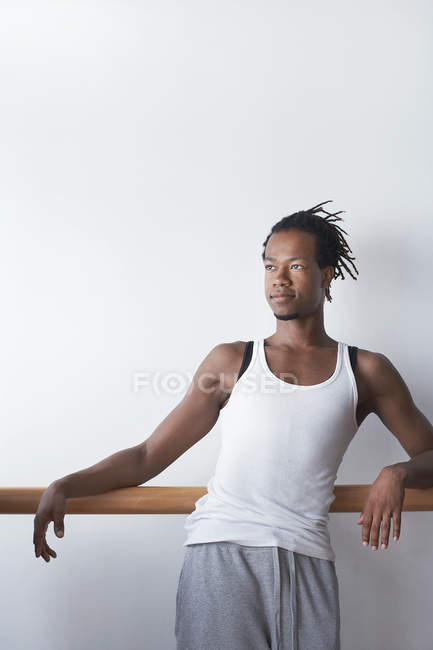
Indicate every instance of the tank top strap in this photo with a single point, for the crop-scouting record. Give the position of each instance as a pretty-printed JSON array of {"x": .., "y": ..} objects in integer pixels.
[{"x": 248, "y": 353}]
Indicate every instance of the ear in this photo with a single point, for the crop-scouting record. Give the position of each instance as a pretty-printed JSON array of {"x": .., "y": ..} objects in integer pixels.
[{"x": 327, "y": 277}]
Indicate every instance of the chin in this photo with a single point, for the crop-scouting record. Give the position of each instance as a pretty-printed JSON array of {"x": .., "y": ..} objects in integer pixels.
[{"x": 290, "y": 316}]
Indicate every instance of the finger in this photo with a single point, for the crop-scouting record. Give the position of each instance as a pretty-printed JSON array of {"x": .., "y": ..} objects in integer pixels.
[
  {"x": 375, "y": 528},
  {"x": 386, "y": 526},
  {"x": 45, "y": 553},
  {"x": 366, "y": 530},
  {"x": 396, "y": 519},
  {"x": 58, "y": 521},
  {"x": 40, "y": 544},
  {"x": 43, "y": 541},
  {"x": 51, "y": 551},
  {"x": 59, "y": 526},
  {"x": 39, "y": 539},
  {"x": 37, "y": 534}
]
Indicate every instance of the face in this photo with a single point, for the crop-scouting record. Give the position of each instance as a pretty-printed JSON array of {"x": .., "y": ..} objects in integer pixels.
[{"x": 291, "y": 268}]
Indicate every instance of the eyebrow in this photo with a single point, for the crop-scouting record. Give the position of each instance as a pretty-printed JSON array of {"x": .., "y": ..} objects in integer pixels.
[{"x": 288, "y": 259}]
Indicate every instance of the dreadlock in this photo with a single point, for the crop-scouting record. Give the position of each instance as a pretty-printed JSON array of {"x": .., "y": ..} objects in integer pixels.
[{"x": 332, "y": 248}]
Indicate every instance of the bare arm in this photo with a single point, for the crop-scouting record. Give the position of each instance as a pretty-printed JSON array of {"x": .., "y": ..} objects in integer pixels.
[
  {"x": 393, "y": 403},
  {"x": 194, "y": 416},
  {"x": 185, "y": 425},
  {"x": 391, "y": 400},
  {"x": 121, "y": 469}
]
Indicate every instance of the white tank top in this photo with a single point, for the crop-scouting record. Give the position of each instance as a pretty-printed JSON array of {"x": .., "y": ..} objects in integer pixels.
[{"x": 281, "y": 448}]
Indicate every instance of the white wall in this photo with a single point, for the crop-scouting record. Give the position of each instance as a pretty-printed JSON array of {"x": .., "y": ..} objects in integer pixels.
[{"x": 146, "y": 150}]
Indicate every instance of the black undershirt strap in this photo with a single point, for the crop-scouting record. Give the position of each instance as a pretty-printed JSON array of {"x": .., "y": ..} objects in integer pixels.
[
  {"x": 246, "y": 358},
  {"x": 353, "y": 356}
]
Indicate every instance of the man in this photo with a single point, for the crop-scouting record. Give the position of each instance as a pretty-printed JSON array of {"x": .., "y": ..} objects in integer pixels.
[{"x": 259, "y": 569}]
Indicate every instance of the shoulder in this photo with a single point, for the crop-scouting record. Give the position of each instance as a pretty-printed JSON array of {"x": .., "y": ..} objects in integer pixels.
[
  {"x": 226, "y": 357},
  {"x": 221, "y": 367},
  {"x": 369, "y": 361},
  {"x": 374, "y": 365},
  {"x": 378, "y": 376}
]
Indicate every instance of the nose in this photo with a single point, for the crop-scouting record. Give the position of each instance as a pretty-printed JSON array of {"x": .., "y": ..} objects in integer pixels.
[
  {"x": 281, "y": 275},
  {"x": 281, "y": 279}
]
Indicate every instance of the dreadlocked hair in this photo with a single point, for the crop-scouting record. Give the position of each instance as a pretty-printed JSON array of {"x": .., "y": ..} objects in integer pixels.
[{"x": 331, "y": 247}]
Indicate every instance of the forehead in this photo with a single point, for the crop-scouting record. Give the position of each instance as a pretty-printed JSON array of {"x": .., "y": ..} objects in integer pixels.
[{"x": 291, "y": 244}]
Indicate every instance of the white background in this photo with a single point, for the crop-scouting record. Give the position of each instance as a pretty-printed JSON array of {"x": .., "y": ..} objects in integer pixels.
[{"x": 147, "y": 148}]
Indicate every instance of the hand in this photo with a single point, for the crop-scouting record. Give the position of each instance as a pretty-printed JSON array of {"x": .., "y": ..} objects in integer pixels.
[
  {"x": 385, "y": 500},
  {"x": 52, "y": 507}
]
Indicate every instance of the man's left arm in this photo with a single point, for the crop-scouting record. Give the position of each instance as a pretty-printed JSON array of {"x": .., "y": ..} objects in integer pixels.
[{"x": 392, "y": 402}]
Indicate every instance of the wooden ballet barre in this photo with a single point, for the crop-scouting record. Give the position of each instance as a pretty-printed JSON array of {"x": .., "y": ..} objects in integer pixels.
[{"x": 153, "y": 500}]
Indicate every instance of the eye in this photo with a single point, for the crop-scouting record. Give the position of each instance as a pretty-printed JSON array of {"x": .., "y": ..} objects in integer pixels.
[{"x": 267, "y": 266}]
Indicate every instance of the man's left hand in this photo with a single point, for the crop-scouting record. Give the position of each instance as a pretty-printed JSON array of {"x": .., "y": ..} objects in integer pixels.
[{"x": 384, "y": 501}]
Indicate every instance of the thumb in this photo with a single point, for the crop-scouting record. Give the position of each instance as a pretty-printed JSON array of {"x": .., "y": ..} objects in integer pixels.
[
  {"x": 359, "y": 520},
  {"x": 59, "y": 528}
]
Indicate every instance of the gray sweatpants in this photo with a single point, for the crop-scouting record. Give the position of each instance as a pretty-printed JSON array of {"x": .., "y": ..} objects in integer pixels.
[{"x": 236, "y": 597}]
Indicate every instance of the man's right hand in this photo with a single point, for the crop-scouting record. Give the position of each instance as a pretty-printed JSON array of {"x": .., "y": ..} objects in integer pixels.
[{"x": 52, "y": 507}]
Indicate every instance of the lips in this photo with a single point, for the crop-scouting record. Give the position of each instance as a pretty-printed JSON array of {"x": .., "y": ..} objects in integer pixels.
[{"x": 283, "y": 295}]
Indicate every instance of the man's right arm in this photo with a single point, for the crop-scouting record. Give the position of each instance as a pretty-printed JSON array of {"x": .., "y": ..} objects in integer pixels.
[
  {"x": 186, "y": 424},
  {"x": 195, "y": 415}
]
